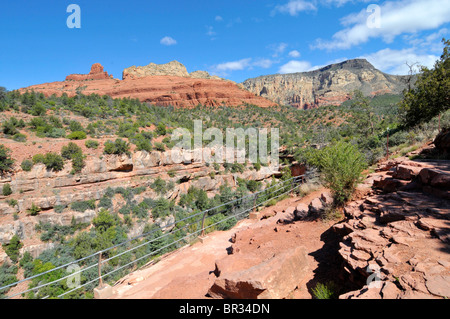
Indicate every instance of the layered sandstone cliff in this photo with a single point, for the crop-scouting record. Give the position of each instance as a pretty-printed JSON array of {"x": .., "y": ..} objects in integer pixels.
[
  {"x": 164, "y": 85},
  {"x": 331, "y": 85}
]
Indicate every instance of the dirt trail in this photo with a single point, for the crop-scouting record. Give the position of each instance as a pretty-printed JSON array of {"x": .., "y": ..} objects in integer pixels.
[{"x": 188, "y": 272}]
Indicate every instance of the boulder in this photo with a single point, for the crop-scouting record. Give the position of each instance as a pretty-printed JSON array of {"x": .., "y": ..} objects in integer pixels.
[
  {"x": 316, "y": 206},
  {"x": 274, "y": 278},
  {"x": 301, "y": 211},
  {"x": 406, "y": 172},
  {"x": 442, "y": 141}
]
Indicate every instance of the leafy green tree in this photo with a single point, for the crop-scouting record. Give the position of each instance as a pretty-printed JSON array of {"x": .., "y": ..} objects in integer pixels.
[
  {"x": 431, "y": 94},
  {"x": 6, "y": 161},
  {"x": 104, "y": 221},
  {"x": 365, "y": 117}
]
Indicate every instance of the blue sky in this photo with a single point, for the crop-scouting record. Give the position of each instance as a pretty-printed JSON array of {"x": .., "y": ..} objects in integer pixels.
[{"x": 233, "y": 39}]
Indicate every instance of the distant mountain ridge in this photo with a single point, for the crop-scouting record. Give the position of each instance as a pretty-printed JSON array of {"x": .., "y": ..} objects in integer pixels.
[{"x": 330, "y": 85}]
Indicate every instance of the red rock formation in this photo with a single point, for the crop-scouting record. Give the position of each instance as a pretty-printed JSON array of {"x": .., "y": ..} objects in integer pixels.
[
  {"x": 158, "y": 90},
  {"x": 96, "y": 73}
]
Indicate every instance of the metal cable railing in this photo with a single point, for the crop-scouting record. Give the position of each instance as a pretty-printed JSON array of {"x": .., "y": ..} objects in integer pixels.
[{"x": 195, "y": 219}]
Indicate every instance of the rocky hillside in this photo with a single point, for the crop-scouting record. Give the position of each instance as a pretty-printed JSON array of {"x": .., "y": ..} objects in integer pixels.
[
  {"x": 162, "y": 85},
  {"x": 392, "y": 243},
  {"x": 330, "y": 85},
  {"x": 54, "y": 193}
]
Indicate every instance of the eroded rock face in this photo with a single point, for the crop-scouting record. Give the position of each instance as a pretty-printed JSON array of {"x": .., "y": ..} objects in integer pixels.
[
  {"x": 396, "y": 239},
  {"x": 173, "y": 68},
  {"x": 96, "y": 73},
  {"x": 331, "y": 85}
]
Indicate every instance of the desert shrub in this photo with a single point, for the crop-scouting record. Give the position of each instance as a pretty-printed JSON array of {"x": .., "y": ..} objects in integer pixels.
[
  {"x": 82, "y": 206},
  {"x": 33, "y": 210},
  {"x": 91, "y": 144},
  {"x": 38, "y": 158},
  {"x": 6, "y": 190},
  {"x": 75, "y": 126},
  {"x": 53, "y": 161},
  {"x": 12, "y": 202},
  {"x": 59, "y": 208},
  {"x": 159, "y": 186},
  {"x": 77, "y": 135},
  {"x": 38, "y": 109},
  {"x": 37, "y": 122},
  {"x": 8, "y": 128},
  {"x": 6, "y": 162},
  {"x": 253, "y": 185},
  {"x": 237, "y": 168},
  {"x": 13, "y": 247},
  {"x": 160, "y": 147},
  {"x": 105, "y": 202},
  {"x": 19, "y": 137},
  {"x": 162, "y": 207},
  {"x": 56, "y": 132},
  {"x": 325, "y": 291},
  {"x": 161, "y": 129},
  {"x": 117, "y": 147},
  {"x": 67, "y": 151},
  {"x": 77, "y": 163},
  {"x": 143, "y": 144},
  {"x": 341, "y": 165}
]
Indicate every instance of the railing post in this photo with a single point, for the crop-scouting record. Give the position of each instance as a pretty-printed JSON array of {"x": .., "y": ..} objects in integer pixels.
[
  {"x": 203, "y": 224},
  {"x": 100, "y": 284},
  {"x": 102, "y": 291}
]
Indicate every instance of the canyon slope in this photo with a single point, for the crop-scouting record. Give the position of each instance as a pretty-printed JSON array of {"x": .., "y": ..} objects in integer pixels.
[
  {"x": 162, "y": 85},
  {"x": 330, "y": 85}
]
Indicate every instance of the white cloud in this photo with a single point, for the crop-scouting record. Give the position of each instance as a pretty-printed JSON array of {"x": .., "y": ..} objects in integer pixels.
[
  {"x": 431, "y": 42},
  {"x": 168, "y": 41},
  {"x": 395, "y": 61},
  {"x": 294, "y": 54},
  {"x": 239, "y": 65},
  {"x": 293, "y": 7},
  {"x": 233, "y": 65},
  {"x": 278, "y": 48},
  {"x": 263, "y": 63},
  {"x": 294, "y": 66},
  {"x": 210, "y": 31},
  {"x": 396, "y": 18},
  {"x": 340, "y": 3},
  {"x": 218, "y": 18}
]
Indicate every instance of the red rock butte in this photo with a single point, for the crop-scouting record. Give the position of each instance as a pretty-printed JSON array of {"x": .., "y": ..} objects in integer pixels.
[
  {"x": 161, "y": 90},
  {"x": 96, "y": 73}
]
